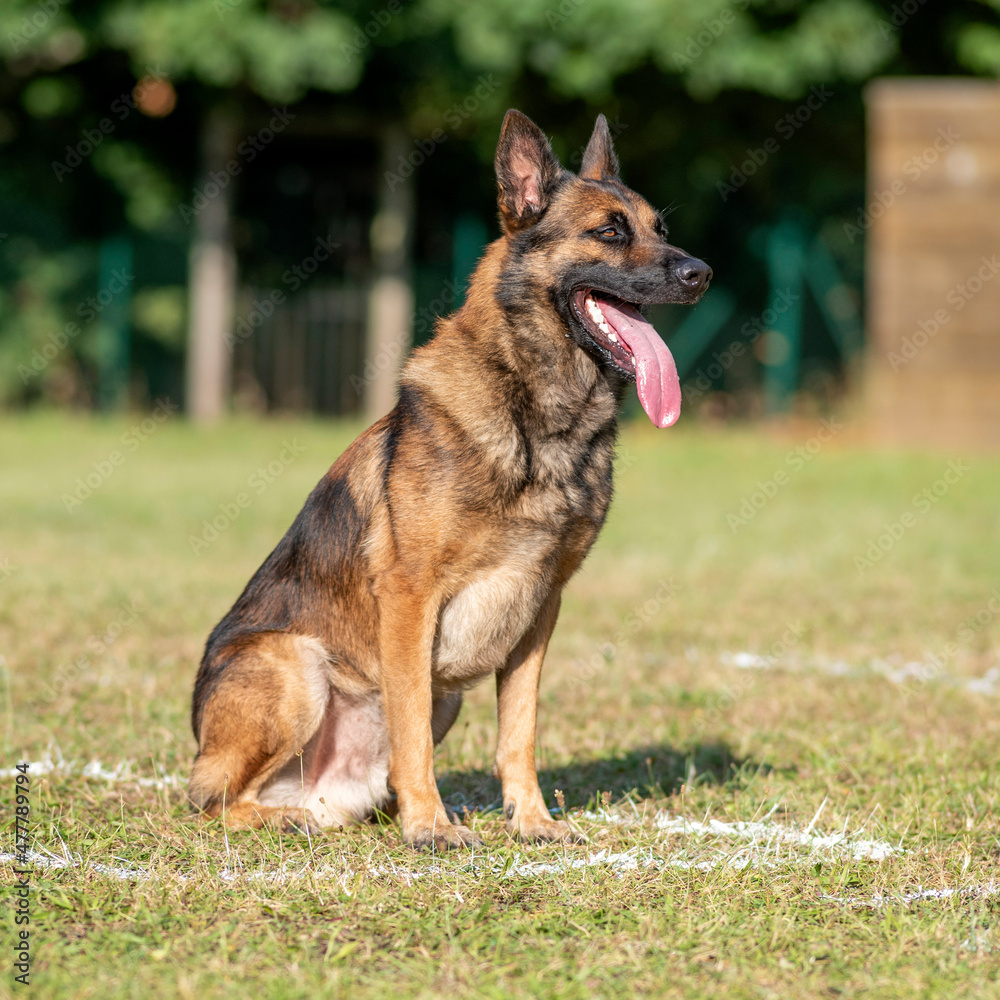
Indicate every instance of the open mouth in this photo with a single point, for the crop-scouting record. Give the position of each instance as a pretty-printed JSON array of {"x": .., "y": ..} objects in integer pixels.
[
  {"x": 587, "y": 306},
  {"x": 629, "y": 341}
]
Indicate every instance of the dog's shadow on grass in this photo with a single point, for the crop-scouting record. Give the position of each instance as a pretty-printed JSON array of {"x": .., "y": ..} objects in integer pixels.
[{"x": 643, "y": 773}]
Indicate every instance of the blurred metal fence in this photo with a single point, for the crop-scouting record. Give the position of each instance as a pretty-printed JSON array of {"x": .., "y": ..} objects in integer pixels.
[{"x": 304, "y": 353}]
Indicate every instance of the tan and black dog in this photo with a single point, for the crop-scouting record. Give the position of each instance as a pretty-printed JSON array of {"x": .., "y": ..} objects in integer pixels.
[{"x": 434, "y": 551}]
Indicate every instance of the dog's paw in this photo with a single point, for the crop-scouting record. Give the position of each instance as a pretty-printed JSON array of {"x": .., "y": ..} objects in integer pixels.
[
  {"x": 443, "y": 836},
  {"x": 298, "y": 821},
  {"x": 544, "y": 829}
]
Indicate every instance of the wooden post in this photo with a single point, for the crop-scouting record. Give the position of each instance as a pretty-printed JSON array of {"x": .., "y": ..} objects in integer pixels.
[
  {"x": 212, "y": 273},
  {"x": 932, "y": 366},
  {"x": 390, "y": 302}
]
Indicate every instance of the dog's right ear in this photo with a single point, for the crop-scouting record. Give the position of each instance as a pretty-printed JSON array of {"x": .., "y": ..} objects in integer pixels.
[{"x": 527, "y": 171}]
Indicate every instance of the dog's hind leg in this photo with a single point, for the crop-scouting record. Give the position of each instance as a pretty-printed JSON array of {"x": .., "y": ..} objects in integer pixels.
[
  {"x": 444, "y": 712},
  {"x": 253, "y": 713}
]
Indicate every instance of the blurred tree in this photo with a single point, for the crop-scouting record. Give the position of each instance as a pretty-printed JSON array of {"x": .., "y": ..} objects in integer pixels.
[
  {"x": 401, "y": 63},
  {"x": 278, "y": 51},
  {"x": 583, "y": 46},
  {"x": 979, "y": 43}
]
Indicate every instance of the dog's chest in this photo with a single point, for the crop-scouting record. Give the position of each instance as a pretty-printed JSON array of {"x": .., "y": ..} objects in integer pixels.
[
  {"x": 498, "y": 604},
  {"x": 481, "y": 624},
  {"x": 535, "y": 546}
]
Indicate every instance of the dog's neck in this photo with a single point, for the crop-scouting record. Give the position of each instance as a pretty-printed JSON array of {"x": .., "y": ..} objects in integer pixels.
[{"x": 520, "y": 364}]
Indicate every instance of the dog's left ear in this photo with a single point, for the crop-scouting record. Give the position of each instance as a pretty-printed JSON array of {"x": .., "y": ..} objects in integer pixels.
[
  {"x": 599, "y": 160},
  {"x": 527, "y": 171}
]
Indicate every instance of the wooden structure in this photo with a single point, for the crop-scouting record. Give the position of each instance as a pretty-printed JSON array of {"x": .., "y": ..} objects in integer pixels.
[{"x": 932, "y": 222}]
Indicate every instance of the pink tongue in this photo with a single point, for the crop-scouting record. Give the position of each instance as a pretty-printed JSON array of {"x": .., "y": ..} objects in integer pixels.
[{"x": 655, "y": 372}]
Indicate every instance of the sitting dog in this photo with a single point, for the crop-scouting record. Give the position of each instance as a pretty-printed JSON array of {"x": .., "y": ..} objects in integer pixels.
[{"x": 435, "y": 550}]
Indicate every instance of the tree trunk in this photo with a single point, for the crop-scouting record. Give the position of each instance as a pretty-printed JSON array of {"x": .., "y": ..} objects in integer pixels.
[
  {"x": 212, "y": 273},
  {"x": 390, "y": 303}
]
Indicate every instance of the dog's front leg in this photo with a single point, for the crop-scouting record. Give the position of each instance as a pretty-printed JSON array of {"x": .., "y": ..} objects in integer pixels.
[
  {"x": 517, "y": 702},
  {"x": 406, "y": 633}
]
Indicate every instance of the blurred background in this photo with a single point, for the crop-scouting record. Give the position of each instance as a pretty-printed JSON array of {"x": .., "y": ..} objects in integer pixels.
[
  {"x": 237, "y": 205},
  {"x": 224, "y": 224}
]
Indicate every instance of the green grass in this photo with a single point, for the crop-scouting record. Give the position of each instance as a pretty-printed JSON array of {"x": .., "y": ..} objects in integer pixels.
[{"x": 665, "y": 723}]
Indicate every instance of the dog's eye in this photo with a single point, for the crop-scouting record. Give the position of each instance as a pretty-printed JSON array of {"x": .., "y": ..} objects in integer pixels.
[{"x": 608, "y": 231}]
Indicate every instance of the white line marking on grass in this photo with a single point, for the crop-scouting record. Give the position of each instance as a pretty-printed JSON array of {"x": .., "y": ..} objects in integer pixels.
[
  {"x": 502, "y": 868},
  {"x": 979, "y": 943},
  {"x": 908, "y": 673},
  {"x": 766, "y": 834},
  {"x": 770, "y": 845},
  {"x": 120, "y": 773},
  {"x": 765, "y": 840},
  {"x": 880, "y": 900}
]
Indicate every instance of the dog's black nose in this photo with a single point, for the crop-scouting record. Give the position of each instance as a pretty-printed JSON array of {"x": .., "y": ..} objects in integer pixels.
[{"x": 694, "y": 273}]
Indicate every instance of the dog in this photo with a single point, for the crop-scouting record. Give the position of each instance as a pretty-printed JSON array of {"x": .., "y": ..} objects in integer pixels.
[{"x": 435, "y": 550}]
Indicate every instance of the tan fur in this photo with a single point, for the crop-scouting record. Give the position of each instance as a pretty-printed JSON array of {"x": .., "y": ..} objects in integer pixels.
[{"x": 435, "y": 550}]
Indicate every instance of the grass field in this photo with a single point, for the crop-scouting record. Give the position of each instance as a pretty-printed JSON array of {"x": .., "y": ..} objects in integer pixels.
[{"x": 783, "y": 750}]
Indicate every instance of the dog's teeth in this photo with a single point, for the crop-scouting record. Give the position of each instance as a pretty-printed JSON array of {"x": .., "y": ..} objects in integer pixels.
[
  {"x": 595, "y": 311},
  {"x": 612, "y": 337}
]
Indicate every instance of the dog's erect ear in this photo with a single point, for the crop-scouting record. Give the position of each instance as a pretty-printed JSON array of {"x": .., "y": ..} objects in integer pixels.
[
  {"x": 527, "y": 171},
  {"x": 599, "y": 160}
]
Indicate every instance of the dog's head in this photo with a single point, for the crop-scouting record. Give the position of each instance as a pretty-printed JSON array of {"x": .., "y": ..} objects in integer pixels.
[{"x": 601, "y": 253}]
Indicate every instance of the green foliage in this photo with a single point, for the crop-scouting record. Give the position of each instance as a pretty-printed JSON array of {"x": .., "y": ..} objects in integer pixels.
[
  {"x": 222, "y": 43},
  {"x": 229, "y": 42},
  {"x": 50, "y": 96},
  {"x": 979, "y": 46},
  {"x": 35, "y": 358},
  {"x": 160, "y": 313},
  {"x": 582, "y": 47},
  {"x": 147, "y": 193},
  {"x": 423, "y": 62}
]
